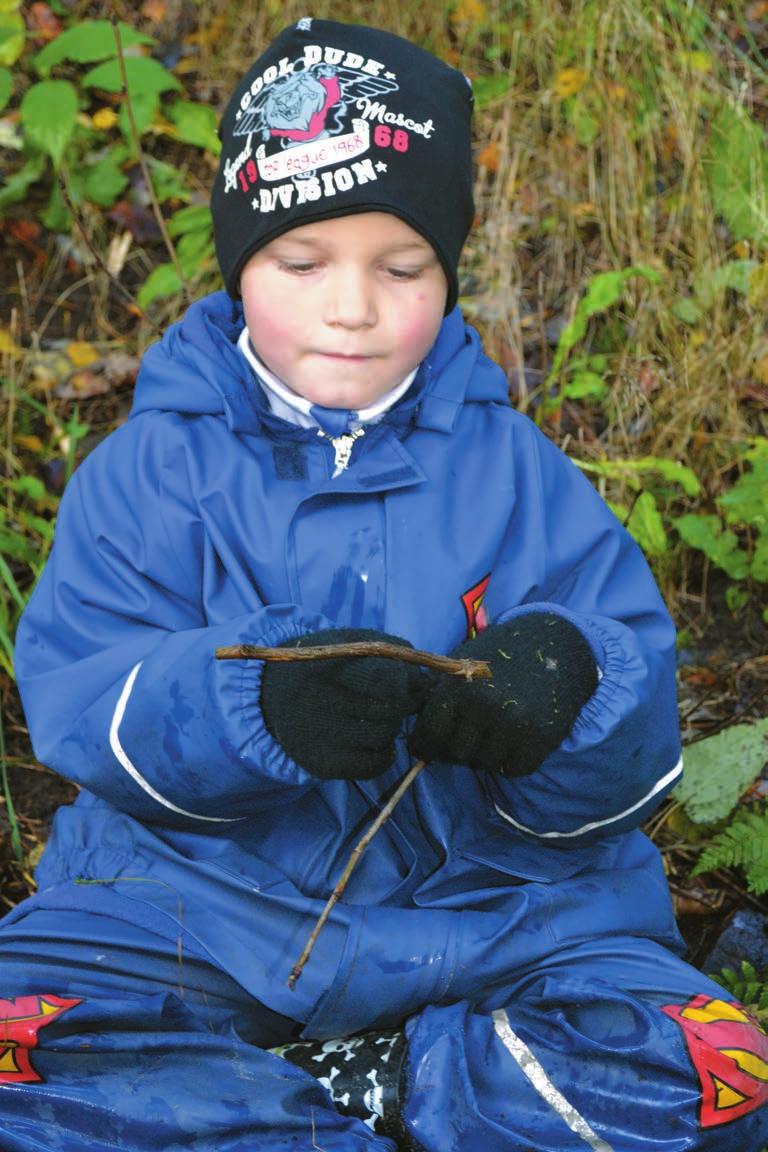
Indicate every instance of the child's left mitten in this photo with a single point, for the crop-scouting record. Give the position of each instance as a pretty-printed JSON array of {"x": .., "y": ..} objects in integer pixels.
[
  {"x": 543, "y": 673},
  {"x": 341, "y": 718}
]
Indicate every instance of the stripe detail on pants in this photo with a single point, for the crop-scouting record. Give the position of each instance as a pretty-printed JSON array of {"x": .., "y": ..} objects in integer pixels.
[{"x": 533, "y": 1071}]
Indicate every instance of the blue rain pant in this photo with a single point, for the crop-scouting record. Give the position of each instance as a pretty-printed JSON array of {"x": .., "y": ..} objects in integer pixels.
[{"x": 115, "y": 1037}]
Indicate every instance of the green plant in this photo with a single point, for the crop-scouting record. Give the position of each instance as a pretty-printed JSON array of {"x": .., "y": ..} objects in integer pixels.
[
  {"x": 582, "y": 377},
  {"x": 81, "y": 131},
  {"x": 735, "y": 537},
  {"x": 743, "y": 844},
  {"x": 749, "y": 986},
  {"x": 718, "y": 773}
]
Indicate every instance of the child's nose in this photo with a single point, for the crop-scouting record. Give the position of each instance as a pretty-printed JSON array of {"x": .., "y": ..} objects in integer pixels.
[{"x": 350, "y": 302}]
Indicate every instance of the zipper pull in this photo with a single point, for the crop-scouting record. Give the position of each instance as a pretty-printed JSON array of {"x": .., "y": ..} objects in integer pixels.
[{"x": 342, "y": 450}]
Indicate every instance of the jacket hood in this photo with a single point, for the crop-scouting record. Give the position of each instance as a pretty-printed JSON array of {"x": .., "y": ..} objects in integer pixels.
[{"x": 197, "y": 369}]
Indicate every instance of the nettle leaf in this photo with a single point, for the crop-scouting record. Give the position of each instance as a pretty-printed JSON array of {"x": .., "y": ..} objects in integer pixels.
[
  {"x": 196, "y": 124},
  {"x": 585, "y": 384},
  {"x": 145, "y": 76},
  {"x": 193, "y": 218},
  {"x": 721, "y": 546},
  {"x": 735, "y": 275},
  {"x": 718, "y": 771},
  {"x": 104, "y": 181},
  {"x": 162, "y": 281},
  {"x": 647, "y": 526},
  {"x": 48, "y": 113},
  {"x": 603, "y": 291},
  {"x": 86, "y": 42}
]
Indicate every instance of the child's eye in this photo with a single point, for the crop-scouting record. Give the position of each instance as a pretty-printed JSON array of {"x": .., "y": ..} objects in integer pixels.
[
  {"x": 404, "y": 273},
  {"x": 297, "y": 267}
]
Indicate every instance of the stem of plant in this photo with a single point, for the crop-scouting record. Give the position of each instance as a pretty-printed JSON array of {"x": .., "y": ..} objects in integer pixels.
[
  {"x": 469, "y": 669},
  {"x": 351, "y": 864},
  {"x": 142, "y": 161}
]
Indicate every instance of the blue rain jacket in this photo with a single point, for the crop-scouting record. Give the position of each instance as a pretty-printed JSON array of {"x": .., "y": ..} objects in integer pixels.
[{"x": 206, "y": 521}]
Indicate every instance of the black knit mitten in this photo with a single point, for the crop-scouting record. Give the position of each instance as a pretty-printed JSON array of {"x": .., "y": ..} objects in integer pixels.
[
  {"x": 543, "y": 674},
  {"x": 340, "y": 718}
]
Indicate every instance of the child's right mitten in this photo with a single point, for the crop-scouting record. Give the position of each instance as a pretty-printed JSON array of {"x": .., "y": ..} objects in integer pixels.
[
  {"x": 543, "y": 672},
  {"x": 341, "y": 718}
]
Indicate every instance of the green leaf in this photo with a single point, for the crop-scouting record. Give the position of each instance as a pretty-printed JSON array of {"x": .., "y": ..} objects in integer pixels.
[
  {"x": 194, "y": 251},
  {"x": 104, "y": 181},
  {"x": 706, "y": 533},
  {"x": 162, "y": 281},
  {"x": 85, "y": 42},
  {"x": 718, "y": 771},
  {"x": 737, "y": 168},
  {"x": 685, "y": 309},
  {"x": 6, "y": 86},
  {"x": 144, "y": 106},
  {"x": 603, "y": 290},
  {"x": 48, "y": 113},
  {"x": 585, "y": 384},
  {"x": 15, "y": 187},
  {"x": 193, "y": 218},
  {"x": 144, "y": 76},
  {"x": 734, "y": 275},
  {"x": 647, "y": 526},
  {"x": 196, "y": 124},
  {"x": 12, "y": 36},
  {"x": 489, "y": 88},
  {"x": 670, "y": 470},
  {"x": 743, "y": 845}
]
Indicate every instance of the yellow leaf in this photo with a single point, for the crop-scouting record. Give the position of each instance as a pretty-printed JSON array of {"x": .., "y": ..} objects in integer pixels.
[
  {"x": 469, "y": 12},
  {"x": 104, "y": 119},
  {"x": 8, "y": 346},
  {"x": 81, "y": 353},
  {"x": 697, "y": 61},
  {"x": 569, "y": 81},
  {"x": 31, "y": 443},
  {"x": 761, "y": 370}
]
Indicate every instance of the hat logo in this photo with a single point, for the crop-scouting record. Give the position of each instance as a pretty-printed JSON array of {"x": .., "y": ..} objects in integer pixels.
[{"x": 301, "y": 118}]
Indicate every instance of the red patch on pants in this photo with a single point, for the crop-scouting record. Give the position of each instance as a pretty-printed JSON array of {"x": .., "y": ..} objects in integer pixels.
[
  {"x": 20, "y": 1021},
  {"x": 729, "y": 1051}
]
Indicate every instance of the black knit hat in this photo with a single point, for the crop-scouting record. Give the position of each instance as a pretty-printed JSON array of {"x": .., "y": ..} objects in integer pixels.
[{"x": 335, "y": 119}]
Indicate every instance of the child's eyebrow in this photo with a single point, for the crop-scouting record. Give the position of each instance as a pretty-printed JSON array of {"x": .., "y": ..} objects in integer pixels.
[{"x": 317, "y": 242}]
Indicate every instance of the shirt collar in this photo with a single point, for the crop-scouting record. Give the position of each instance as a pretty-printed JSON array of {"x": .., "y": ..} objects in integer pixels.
[{"x": 297, "y": 409}]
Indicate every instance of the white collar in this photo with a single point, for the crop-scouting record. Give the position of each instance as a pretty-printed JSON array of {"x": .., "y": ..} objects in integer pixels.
[{"x": 296, "y": 409}]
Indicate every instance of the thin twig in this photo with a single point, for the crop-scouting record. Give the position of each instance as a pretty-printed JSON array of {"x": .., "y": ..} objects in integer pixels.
[
  {"x": 142, "y": 162},
  {"x": 357, "y": 852},
  {"x": 469, "y": 669},
  {"x": 74, "y": 212}
]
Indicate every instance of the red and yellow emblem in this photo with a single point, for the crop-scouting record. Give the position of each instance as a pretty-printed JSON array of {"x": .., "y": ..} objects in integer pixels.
[
  {"x": 729, "y": 1051},
  {"x": 20, "y": 1021},
  {"x": 477, "y": 618}
]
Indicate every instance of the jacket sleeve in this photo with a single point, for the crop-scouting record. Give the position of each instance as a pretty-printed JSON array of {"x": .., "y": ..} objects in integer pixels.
[
  {"x": 115, "y": 658},
  {"x": 623, "y": 753}
]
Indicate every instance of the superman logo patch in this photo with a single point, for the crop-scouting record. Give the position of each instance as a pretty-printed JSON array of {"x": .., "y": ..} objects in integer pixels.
[
  {"x": 20, "y": 1021},
  {"x": 729, "y": 1051},
  {"x": 477, "y": 618}
]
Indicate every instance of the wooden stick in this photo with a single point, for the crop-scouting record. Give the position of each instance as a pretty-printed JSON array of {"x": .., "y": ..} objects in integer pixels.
[
  {"x": 358, "y": 850},
  {"x": 469, "y": 669}
]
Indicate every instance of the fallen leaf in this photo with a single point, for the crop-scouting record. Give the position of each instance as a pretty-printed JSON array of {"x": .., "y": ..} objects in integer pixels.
[
  {"x": 569, "y": 81},
  {"x": 81, "y": 353},
  {"x": 8, "y": 346},
  {"x": 42, "y": 23},
  {"x": 31, "y": 443},
  {"x": 469, "y": 12},
  {"x": 104, "y": 119},
  {"x": 490, "y": 156},
  {"x": 154, "y": 10}
]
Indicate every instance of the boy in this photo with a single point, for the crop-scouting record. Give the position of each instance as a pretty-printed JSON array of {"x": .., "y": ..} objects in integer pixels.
[{"x": 324, "y": 454}]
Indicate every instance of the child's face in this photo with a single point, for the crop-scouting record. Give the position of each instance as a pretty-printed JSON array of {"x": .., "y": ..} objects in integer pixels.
[{"x": 342, "y": 310}]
